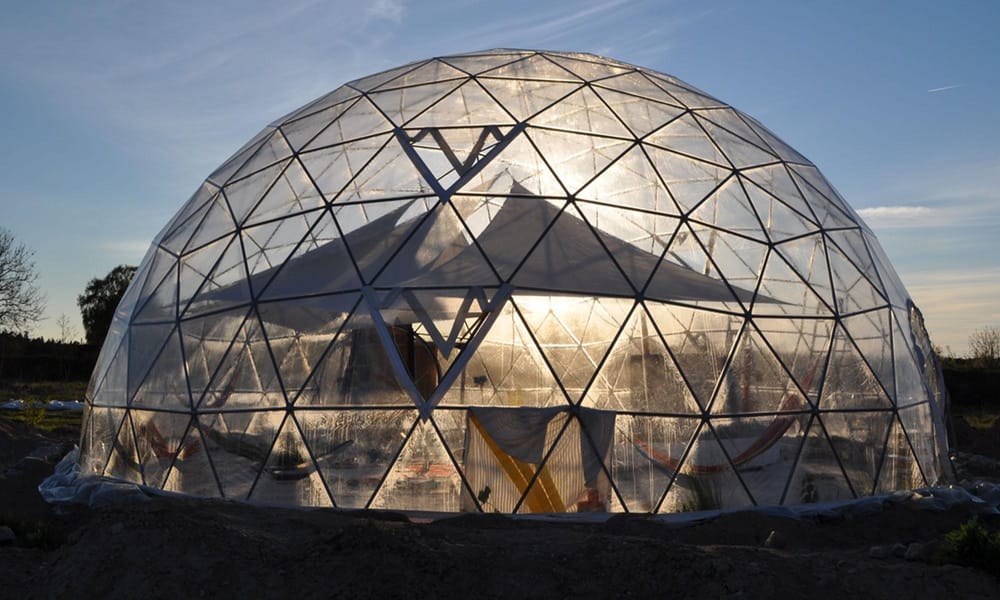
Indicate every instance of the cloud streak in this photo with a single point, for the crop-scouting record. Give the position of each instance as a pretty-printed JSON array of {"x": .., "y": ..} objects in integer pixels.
[
  {"x": 899, "y": 216},
  {"x": 389, "y": 10},
  {"x": 943, "y": 89}
]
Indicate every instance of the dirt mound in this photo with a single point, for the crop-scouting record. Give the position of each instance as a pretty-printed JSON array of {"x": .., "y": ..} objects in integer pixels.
[
  {"x": 177, "y": 547},
  {"x": 174, "y": 547}
]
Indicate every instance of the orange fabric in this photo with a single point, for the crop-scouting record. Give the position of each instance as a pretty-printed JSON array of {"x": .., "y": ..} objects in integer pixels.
[{"x": 543, "y": 496}]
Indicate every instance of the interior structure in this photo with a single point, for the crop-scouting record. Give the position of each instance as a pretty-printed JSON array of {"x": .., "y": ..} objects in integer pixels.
[{"x": 517, "y": 281}]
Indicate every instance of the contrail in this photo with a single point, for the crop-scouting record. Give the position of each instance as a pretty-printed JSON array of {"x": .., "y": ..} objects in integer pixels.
[{"x": 942, "y": 89}]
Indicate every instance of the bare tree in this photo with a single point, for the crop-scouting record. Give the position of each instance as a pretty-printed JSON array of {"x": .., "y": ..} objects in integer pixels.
[
  {"x": 67, "y": 331},
  {"x": 985, "y": 346},
  {"x": 21, "y": 302}
]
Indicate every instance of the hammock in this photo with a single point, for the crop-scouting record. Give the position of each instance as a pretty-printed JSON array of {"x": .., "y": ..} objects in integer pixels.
[{"x": 770, "y": 436}]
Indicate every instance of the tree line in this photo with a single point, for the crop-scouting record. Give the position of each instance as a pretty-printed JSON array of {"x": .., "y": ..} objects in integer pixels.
[{"x": 22, "y": 305}]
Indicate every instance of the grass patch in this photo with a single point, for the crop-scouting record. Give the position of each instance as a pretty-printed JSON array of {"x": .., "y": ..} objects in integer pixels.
[
  {"x": 36, "y": 394},
  {"x": 33, "y": 534},
  {"x": 47, "y": 421},
  {"x": 973, "y": 545},
  {"x": 981, "y": 422},
  {"x": 43, "y": 391}
]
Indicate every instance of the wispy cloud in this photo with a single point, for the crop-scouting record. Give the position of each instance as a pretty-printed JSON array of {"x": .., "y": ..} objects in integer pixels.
[
  {"x": 899, "y": 216},
  {"x": 193, "y": 90},
  {"x": 131, "y": 249},
  {"x": 943, "y": 89},
  {"x": 390, "y": 10},
  {"x": 541, "y": 29}
]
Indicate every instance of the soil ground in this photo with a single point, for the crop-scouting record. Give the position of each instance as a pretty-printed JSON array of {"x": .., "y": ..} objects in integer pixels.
[{"x": 170, "y": 548}]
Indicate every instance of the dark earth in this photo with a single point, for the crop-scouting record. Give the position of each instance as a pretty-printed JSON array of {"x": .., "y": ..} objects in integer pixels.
[{"x": 177, "y": 548}]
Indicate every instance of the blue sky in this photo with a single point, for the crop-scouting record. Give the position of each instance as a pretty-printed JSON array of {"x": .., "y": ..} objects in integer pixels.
[{"x": 116, "y": 110}]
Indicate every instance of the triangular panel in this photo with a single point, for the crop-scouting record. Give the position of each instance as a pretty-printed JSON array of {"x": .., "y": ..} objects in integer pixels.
[
  {"x": 432, "y": 71},
  {"x": 300, "y": 331},
  {"x": 506, "y": 228},
  {"x": 851, "y": 243},
  {"x": 192, "y": 472},
  {"x": 301, "y": 131},
  {"x": 165, "y": 385},
  {"x": 852, "y": 290},
  {"x": 737, "y": 259},
  {"x": 519, "y": 169},
  {"x": 858, "y": 438},
  {"x": 910, "y": 386},
  {"x": 535, "y": 66},
  {"x": 145, "y": 342},
  {"x": 756, "y": 381},
  {"x": 374, "y": 232},
  {"x": 237, "y": 447},
  {"x": 438, "y": 253},
  {"x": 267, "y": 246},
  {"x": 206, "y": 341},
  {"x": 684, "y": 135},
  {"x": 224, "y": 287},
  {"x": 246, "y": 377},
  {"x": 645, "y": 456},
  {"x": 783, "y": 292},
  {"x": 474, "y": 62},
  {"x": 689, "y": 181},
  {"x": 632, "y": 182},
  {"x": 638, "y": 84},
  {"x": 818, "y": 476},
  {"x": 639, "y": 114},
  {"x": 639, "y": 374},
  {"x": 729, "y": 208},
  {"x": 763, "y": 449},
  {"x": 359, "y": 121},
  {"x": 216, "y": 223},
  {"x": 244, "y": 194},
  {"x": 123, "y": 462},
  {"x": 850, "y": 383},
  {"x": 356, "y": 370},
  {"x": 774, "y": 181},
  {"x": 700, "y": 342},
  {"x": 919, "y": 426},
  {"x": 401, "y": 105},
  {"x": 292, "y": 193},
  {"x": 706, "y": 479},
  {"x": 290, "y": 475},
  {"x": 576, "y": 158},
  {"x": 469, "y": 105},
  {"x": 507, "y": 368},
  {"x": 634, "y": 239},
  {"x": 570, "y": 257},
  {"x": 423, "y": 476},
  {"x": 320, "y": 264},
  {"x": 872, "y": 334},
  {"x": 582, "y": 112},
  {"x": 588, "y": 69},
  {"x": 162, "y": 438},
  {"x": 900, "y": 470},
  {"x": 802, "y": 345},
  {"x": 574, "y": 334}
]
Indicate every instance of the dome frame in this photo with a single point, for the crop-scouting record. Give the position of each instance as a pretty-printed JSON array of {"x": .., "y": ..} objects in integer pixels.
[{"x": 523, "y": 281}]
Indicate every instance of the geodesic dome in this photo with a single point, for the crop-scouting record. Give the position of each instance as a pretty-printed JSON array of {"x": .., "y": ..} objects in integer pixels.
[{"x": 517, "y": 281}]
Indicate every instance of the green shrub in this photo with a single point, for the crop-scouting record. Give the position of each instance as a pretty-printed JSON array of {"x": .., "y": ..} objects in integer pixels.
[
  {"x": 34, "y": 413},
  {"x": 33, "y": 534},
  {"x": 973, "y": 545}
]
